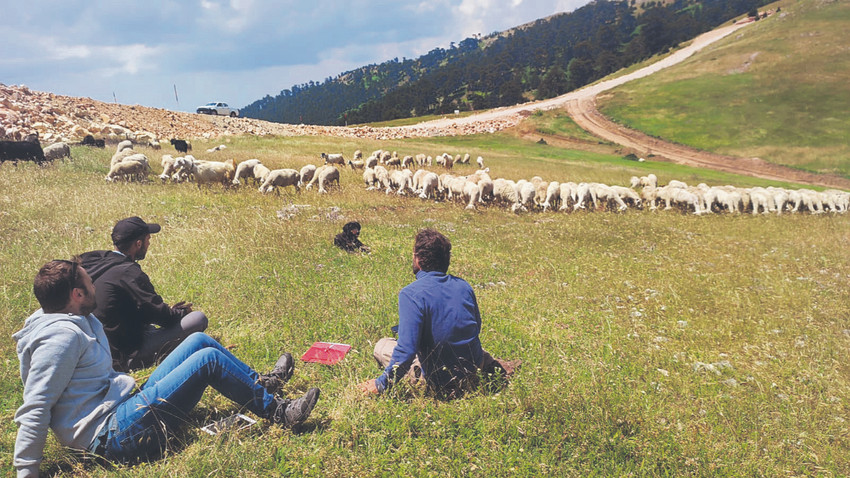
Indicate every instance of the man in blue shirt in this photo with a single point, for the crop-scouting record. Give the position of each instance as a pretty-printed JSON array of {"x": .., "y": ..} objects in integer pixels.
[{"x": 438, "y": 327}]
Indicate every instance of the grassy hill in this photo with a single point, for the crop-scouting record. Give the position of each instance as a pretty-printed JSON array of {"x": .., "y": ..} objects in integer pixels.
[
  {"x": 779, "y": 90},
  {"x": 654, "y": 344}
]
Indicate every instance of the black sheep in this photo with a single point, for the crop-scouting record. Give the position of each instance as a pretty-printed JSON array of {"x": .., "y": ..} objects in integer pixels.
[
  {"x": 21, "y": 151},
  {"x": 181, "y": 145},
  {"x": 90, "y": 141}
]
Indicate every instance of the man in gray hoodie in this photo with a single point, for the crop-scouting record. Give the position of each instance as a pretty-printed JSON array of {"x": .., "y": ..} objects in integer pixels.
[{"x": 71, "y": 387}]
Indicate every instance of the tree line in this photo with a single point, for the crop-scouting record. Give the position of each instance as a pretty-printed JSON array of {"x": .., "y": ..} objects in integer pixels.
[{"x": 540, "y": 60}]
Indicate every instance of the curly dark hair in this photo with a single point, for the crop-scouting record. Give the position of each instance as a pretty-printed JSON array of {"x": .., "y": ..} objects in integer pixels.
[
  {"x": 433, "y": 250},
  {"x": 53, "y": 283}
]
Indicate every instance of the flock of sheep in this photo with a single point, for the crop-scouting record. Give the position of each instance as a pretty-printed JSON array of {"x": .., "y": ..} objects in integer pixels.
[{"x": 387, "y": 171}]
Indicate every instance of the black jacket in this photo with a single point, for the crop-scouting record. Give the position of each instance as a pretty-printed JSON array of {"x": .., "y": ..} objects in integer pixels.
[{"x": 126, "y": 300}]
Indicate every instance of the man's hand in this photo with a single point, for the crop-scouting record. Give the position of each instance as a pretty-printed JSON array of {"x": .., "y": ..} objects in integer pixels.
[
  {"x": 186, "y": 307},
  {"x": 369, "y": 387}
]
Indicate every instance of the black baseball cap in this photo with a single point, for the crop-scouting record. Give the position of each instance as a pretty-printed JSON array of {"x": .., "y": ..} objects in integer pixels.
[{"x": 132, "y": 228}]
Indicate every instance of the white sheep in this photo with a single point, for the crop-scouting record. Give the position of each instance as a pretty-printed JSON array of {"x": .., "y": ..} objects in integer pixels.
[
  {"x": 553, "y": 195},
  {"x": 429, "y": 185},
  {"x": 261, "y": 172},
  {"x": 213, "y": 172},
  {"x": 245, "y": 169},
  {"x": 280, "y": 178},
  {"x": 369, "y": 178},
  {"x": 307, "y": 173},
  {"x": 168, "y": 168},
  {"x": 126, "y": 144},
  {"x": 120, "y": 155},
  {"x": 472, "y": 194},
  {"x": 568, "y": 194},
  {"x": 358, "y": 155},
  {"x": 325, "y": 175},
  {"x": 128, "y": 170},
  {"x": 480, "y": 162},
  {"x": 371, "y": 161},
  {"x": 357, "y": 164}
]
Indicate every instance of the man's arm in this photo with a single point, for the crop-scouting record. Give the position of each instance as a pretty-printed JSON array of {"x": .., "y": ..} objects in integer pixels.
[
  {"x": 151, "y": 305},
  {"x": 410, "y": 320},
  {"x": 51, "y": 367}
]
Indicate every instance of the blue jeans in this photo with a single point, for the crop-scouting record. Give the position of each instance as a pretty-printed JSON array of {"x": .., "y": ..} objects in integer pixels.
[{"x": 140, "y": 426}]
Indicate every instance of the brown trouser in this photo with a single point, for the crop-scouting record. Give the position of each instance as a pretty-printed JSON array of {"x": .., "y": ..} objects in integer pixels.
[{"x": 384, "y": 352}]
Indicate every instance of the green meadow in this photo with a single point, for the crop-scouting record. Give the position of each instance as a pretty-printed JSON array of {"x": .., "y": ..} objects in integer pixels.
[
  {"x": 778, "y": 89},
  {"x": 654, "y": 343}
]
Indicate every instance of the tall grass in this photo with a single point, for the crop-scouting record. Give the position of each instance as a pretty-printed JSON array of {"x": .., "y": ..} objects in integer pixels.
[
  {"x": 654, "y": 344},
  {"x": 778, "y": 90}
]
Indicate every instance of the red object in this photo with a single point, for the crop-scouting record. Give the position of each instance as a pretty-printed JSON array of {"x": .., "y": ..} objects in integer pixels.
[{"x": 326, "y": 353}]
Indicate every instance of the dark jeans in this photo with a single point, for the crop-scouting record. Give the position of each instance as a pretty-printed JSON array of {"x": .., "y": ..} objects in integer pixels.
[{"x": 140, "y": 426}]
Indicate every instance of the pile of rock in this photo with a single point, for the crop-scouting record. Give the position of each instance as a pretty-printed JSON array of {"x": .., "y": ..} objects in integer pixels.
[{"x": 64, "y": 118}]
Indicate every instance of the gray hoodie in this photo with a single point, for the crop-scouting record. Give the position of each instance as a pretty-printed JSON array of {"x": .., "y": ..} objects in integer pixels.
[{"x": 69, "y": 384}]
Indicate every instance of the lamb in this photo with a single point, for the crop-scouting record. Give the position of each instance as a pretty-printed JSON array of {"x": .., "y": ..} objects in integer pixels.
[
  {"x": 126, "y": 144},
  {"x": 128, "y": 170},
  {"x": 306, "y": 174},
  {"x": 245, "y": 169},
  {"x": 57, "y": 151},
  {"x": 280, "y": 178},
  {"x": 181, "y": 145},
  {"x": 21, "y": 150},
  {"x": 214, "y": 172},
  {"x": 333, "y": 158}
]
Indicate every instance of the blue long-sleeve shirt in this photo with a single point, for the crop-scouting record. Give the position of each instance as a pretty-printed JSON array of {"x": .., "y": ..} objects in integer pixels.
[{"x": 439, "y": 322}]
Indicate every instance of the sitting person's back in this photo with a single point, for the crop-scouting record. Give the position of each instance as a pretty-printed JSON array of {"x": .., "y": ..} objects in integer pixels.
[{"x": 127, "y": 303}]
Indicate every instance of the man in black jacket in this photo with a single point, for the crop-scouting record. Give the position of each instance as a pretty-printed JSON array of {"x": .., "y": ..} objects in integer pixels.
[{"x": 127, "y": 304}]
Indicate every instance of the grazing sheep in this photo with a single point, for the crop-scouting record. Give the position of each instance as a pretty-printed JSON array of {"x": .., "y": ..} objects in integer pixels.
[
  {"x": 568, "y": 194},
  {"x": 384, "y": 157},
  {"x": 126, "y": 144},
  {"x": 333, "y": 159},
  {"x": 245, "y": 169},
  {"x": 429, "y": 184},
  {"x": 168, "y": 168},
  {"x": 181, "y": 145},
  {"x": 553, "y": 196},
  {"x": 480, "y": 162},
  {"x": 407, "y": 161},
  {"x": 466, "y": 158},
  {"x": 358, "y": 155},
  {"x": 217, "y": 148},
  {"x": 306, "y": 174},
  {"x": 677, "y": 184},
  {"x": 57, "y": 151},
  {"x": 154, "y": 144},
  {"x": 280, "y": 178},
  {"x": 358, "y": 164},
  {"x": 183, "y": 168},
  {"x": 214, "y": 172},
  {"x": 472, "y": 193},
  {"x": 21, "y": 151},
  {"x": 120, "y": 155},
  {"x": 370, "y": 178},
  {"x": 261, "y": 172},
  {"x": 371, "y": 161},
  {"x": 325, "y": 175},
  {"x": 128, "y": 170},
  {"x": 401, "y": 180},
  {"x": 628, "y": 195},
  {"x": 505, "y": 191},
  {"x": 90, "y": 141},
  {"x": 421, "y": 159}
]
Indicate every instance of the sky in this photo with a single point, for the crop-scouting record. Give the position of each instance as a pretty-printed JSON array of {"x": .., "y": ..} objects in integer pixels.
[{"x": 236, "y": 51}]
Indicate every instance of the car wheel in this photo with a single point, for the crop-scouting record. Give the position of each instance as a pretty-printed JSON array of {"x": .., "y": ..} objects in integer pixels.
[
  {"x": 232, "y": 114},
  {"x": 214, "y": 112}
]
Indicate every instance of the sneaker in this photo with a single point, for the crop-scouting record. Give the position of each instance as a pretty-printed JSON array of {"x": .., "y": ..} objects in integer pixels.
[
  {"x": 292, "y": 412},
  {"x": 280, "y": 374}
]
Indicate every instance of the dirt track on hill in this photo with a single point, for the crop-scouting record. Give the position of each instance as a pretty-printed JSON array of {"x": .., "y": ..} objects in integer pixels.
[{"x": 581, "y": 106}]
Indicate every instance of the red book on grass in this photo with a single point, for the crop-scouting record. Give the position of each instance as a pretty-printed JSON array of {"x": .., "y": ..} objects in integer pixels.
[{"x": 326, "y": 352}]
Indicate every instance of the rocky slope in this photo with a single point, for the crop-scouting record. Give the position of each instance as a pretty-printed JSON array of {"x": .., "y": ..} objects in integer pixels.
[{"x": 64, "y": 118}]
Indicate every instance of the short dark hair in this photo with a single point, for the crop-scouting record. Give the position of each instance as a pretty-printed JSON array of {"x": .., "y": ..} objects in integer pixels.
[
  {"x": 53, "y": 284},
  {"x": 433, "y": 250}
]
